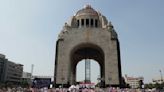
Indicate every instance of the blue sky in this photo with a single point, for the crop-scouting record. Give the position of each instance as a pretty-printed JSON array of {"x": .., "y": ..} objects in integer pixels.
[{"x": 29, "y": 30}]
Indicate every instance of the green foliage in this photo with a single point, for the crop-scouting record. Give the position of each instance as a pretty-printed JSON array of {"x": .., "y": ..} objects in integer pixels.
[
  {"x": 140, "y": 83},
  {"x": 156, "y": 85},
  {"x": 124, "y": 84},
  {"x": 24, "y": 83},
  {"x": 150, "y": 86}
]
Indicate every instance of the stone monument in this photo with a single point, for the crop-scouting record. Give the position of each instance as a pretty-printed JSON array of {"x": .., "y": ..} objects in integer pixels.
[{"x": 88, "y": 35}]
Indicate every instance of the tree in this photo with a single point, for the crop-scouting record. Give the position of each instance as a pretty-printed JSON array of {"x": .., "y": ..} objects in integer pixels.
[
  {"x": 140, "y": 83},
  {"x": 149, "y": 86},
  {"x": 24, "y": 83},
  {"x": 156, "y": 85}
]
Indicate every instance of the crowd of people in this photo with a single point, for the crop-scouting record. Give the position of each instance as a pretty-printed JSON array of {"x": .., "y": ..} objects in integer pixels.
[{"x": 71, "y": 89}]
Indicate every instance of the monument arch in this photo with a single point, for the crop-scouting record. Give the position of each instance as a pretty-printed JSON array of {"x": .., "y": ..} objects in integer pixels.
[{"x": 88, "y": 35}]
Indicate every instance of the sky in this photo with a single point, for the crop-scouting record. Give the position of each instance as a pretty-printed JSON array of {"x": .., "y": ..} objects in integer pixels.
[{"x": 29, "y": 30}]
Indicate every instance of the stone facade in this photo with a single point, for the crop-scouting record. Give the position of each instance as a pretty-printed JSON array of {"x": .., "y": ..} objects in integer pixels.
[{"x": 88, "y": 35}]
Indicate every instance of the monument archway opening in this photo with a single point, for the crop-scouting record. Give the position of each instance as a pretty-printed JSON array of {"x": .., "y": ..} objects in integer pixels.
[
  {"x": 93, "y": 73},
  {"x": 86, "y": 52}
]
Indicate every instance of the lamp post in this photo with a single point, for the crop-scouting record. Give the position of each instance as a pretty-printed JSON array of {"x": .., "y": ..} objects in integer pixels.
[
  {"x": 161, "y": 76},
  {"x": 31, "y": 76}
]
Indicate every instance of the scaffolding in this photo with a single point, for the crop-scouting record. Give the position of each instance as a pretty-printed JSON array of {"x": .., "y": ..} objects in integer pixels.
[{"x": 87, "y": 71}]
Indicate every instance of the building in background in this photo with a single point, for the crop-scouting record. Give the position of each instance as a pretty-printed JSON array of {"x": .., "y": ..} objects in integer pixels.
[
  {"x": 134, "y": 82},
  {"x": 158, "y": 80},
  {"x": 10, "y": 72},
  {"x": 2, "y": 60},
  {"x": 26, "y": 77},
  {"x": 42, "y": 81},
  {"x": 42, "y": 76}
]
